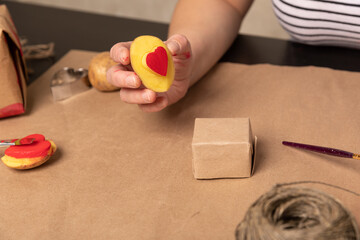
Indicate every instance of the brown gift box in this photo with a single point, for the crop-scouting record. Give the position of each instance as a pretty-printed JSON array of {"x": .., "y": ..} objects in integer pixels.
[
  {"x": 12, "y": 68},
  {"x": 222, "y": 148}
]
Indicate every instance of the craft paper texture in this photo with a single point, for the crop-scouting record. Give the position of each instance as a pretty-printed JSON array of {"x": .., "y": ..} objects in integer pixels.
[
  {"x": 12, "y": 70},
  {"x": 120, "y": 173}
]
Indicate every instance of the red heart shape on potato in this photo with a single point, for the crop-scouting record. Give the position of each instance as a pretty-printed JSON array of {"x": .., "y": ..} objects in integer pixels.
[
  {"x": 158, "y": 61},
  {"x": 39, "y": 148}
]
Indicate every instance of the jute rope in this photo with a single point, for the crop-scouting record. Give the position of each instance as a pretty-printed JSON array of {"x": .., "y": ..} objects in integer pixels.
[
  {"x": 297, "y": 213},
  {"x": 36, "y": 52}
]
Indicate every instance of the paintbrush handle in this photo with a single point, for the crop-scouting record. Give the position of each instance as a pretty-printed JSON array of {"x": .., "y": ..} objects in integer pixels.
[
  {"x": 324, "y": 150},
  {"x": 8, "y": 142},
  {"x": 12, "y": 142}
]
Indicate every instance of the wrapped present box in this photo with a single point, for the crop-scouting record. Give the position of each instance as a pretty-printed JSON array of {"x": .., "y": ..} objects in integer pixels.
[
  {"x": 13, "y": 75},
  {"x": 223, "y": 148}
]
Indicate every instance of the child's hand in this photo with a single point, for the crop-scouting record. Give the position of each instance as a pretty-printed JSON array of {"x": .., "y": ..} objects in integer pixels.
[{"x": 132, "y": 90}]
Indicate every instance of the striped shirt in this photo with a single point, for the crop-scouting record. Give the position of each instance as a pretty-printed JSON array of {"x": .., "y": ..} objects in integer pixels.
[{"x": 321, "y": 22}]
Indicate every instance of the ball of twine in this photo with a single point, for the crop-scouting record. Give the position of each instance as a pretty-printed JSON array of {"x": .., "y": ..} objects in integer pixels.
[{"x": 297, "y": 213}]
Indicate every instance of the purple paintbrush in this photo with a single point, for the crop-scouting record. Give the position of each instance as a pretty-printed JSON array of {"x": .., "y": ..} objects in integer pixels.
[{"x": 323, "y": 150}]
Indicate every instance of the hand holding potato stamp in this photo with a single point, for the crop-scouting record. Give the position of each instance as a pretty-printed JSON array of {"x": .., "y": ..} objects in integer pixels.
[{"x": 150, "y": 60}]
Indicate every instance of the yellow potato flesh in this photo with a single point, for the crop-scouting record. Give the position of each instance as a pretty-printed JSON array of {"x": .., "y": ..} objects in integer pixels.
[{"x": 140, "y": 47}]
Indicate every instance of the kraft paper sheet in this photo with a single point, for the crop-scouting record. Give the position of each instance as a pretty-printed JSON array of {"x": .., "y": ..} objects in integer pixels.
[{"x": 120, "y": 173}]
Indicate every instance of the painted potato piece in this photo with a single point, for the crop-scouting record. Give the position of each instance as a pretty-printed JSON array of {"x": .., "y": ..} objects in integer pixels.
[
  {"x": 31, "y": 155},
  {"x": 152, "y": 62}
]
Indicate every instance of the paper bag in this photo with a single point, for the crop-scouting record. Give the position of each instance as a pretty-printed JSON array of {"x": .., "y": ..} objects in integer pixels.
[{"x": 12, "y": 68}]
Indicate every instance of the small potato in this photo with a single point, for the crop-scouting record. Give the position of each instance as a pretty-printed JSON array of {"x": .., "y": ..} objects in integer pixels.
[{"x": 97, "y": 72}]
